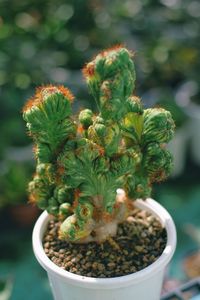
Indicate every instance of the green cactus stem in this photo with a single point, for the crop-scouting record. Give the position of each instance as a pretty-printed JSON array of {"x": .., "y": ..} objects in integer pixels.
[{"x": 82, "y": 160}]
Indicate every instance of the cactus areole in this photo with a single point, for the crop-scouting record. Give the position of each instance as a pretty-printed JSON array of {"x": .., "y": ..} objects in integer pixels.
[{"x": 82, "y": 160}]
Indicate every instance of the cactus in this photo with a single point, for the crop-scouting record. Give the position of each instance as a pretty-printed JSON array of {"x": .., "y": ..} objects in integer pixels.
[{"x": 83, "y": 160}]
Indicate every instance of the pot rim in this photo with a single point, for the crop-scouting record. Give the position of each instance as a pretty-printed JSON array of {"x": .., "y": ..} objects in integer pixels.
[{"x": 115, "y": 282}]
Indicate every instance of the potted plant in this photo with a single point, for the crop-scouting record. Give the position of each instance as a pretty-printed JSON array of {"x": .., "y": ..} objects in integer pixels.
[{"x": 91, "y": 171}]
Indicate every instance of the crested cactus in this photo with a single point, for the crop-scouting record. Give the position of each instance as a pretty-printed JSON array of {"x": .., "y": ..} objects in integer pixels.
[{"x": 82, "y": 160}]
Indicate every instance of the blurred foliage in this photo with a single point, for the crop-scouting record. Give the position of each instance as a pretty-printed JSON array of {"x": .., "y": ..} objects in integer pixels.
[
  {"x": 42, "y": 42},
  {"x": 14, "y": 178},
  {"x": 166, "y": 101},
  {"x": 165, "y": 34}
]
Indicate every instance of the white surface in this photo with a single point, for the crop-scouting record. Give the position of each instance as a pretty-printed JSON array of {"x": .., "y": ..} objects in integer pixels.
[{"x": 143, "y": 285}]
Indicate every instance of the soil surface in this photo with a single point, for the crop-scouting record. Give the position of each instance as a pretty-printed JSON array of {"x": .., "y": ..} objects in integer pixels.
[{"x": 138, "y": 243}]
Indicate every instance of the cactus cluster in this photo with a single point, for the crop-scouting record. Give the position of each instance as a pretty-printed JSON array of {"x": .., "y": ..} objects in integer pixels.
[{"x": 82, "y": 160}]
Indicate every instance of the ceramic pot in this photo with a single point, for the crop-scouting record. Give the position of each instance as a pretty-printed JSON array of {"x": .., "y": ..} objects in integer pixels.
[{"x": 142, "y": 285}]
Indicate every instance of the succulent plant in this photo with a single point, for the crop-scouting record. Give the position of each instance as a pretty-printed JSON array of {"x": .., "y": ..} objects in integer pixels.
[{"x": 83, "y": 160}]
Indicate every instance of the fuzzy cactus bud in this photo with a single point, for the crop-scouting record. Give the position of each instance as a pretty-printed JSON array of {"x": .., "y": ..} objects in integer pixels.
[
  {"x": 133, "y": 121},
  {"x": 53, "y": 206},
  {"x": 65, "y": 210},
  {"x": 42, "y": 152},
  {"x": 110, "y": 77},
  {"x": 46, "y": 170},
  {"x": 138, "y": 187},
  {"x": 157, "y": 161},
  {"x": 84, "y": 210},
  {"x": 106, "y": 136},
  {"x": 63, "y": 193},
  {"x": 71, "y": 230},
  {"x": 40, "y": 191},
  {"x": 134, "y": 105},
  {"x": 48, "y": 119},
  {"x": 158, "y": 126},
  {"x": 85, "y": 118}
]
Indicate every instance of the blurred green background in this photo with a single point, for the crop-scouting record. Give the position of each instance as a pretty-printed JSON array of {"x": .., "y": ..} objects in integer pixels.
[{"x": 45, "y": 42}]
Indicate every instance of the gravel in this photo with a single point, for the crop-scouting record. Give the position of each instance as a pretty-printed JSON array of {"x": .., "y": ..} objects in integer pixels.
[{"x": 138, "y": 243}]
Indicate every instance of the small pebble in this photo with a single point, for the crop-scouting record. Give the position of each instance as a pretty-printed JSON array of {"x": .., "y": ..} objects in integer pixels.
[{"x": 139, "y": 248}]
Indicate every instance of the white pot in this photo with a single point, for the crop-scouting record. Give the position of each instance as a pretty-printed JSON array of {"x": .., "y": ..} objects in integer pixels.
[{"x": 142, "y": 285}]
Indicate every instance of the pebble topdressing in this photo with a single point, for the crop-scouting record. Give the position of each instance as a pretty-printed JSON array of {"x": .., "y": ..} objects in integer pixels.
[{"x": 138, "y": 243}]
